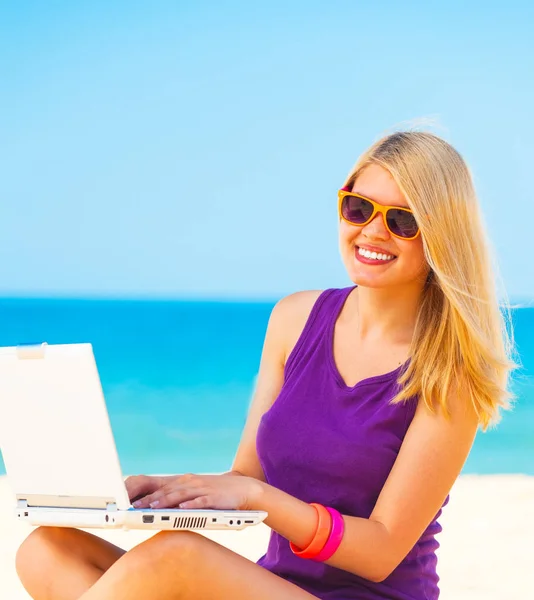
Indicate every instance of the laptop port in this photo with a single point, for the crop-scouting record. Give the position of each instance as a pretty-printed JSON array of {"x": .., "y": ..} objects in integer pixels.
[
  {"x": 165, "y": 518},
  {"x": 249, "y": 522},
  {"x": 148, "y": 518}
]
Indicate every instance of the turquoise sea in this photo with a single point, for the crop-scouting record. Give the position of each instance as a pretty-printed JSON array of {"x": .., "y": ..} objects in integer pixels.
[{"x": 178, "y": 378}]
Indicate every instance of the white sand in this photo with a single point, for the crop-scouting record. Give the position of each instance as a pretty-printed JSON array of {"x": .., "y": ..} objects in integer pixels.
[{"x": 487, "y": 541}]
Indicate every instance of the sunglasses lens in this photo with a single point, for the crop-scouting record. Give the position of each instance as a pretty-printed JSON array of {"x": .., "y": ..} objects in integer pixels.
[
  {"x": 402, "y": 223},
  {"x": 356, "y": 210}
]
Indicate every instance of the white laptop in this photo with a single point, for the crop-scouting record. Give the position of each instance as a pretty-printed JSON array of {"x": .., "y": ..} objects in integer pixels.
[{"x": 59, "y": 450}]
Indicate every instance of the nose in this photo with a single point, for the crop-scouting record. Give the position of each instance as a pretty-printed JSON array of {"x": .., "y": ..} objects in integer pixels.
[{"x": 376, "y": 228}]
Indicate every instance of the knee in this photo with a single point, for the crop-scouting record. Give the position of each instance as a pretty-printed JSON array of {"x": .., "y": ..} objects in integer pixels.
[
  {"x": 33, "y": 546},
  {"x": 37, "y": 547},
  {"x": 185, "y": 547}
]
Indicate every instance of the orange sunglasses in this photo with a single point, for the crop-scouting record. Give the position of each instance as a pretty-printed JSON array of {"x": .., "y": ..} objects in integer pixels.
[{"x": 359, "y": 210}]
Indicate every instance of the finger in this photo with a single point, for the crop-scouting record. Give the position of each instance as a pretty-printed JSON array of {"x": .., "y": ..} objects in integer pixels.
[
  {"x": 136, "y": 485},
  {"x": 153, "y": 495},
  {"x": 175, "y": 497},
  {"x": 199, "y": 503},
  {"x": 141, "y": 501},
  {"x": 142, "y": 486},
  {"x": 211, "y": 501},
  {"x": 174, "y": 486}
]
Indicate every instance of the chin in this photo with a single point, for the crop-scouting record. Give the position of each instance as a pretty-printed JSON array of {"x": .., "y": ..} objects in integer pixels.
[
  {"x": 362, "y": 276},
  {"x": 384, "y": 279},
  {"x": 372, "y": 282}
]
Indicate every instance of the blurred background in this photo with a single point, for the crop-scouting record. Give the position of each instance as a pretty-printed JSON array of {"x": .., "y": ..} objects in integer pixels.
[{"x": 169, "y": 170}]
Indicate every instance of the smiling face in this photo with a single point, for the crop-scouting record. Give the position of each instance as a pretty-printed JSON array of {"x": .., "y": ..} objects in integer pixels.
[{"x": 408, "y": 265}]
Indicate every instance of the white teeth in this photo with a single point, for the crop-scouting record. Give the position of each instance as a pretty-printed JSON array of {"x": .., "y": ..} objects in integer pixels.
[{"x": 374, "y": 255}]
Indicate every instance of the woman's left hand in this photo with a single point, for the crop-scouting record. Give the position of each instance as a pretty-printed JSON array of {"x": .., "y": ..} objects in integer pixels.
[{"x": 234, "y": 492}]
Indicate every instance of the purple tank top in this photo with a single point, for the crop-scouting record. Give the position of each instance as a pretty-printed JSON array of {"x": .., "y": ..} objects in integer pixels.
[{"x": 322, "y": 441}]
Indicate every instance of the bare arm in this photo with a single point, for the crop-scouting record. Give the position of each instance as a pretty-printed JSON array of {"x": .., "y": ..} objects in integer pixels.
[
  {"x": 431, "y": 457},
  {"x": 285, "y": 326}
]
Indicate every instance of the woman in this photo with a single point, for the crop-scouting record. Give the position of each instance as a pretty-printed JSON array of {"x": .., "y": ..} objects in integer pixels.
[{"x": 367, "y": 404}]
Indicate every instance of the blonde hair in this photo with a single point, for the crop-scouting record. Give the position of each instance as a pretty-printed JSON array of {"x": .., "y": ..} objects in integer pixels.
[{"x": 461, "y": 334}]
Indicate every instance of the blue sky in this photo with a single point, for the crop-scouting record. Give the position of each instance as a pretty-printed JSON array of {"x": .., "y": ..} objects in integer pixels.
[{"x": 191, "y": 149}]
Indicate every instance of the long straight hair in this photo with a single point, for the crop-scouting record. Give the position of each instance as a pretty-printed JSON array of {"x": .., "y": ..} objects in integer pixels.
[{"x": 461, "y": 332}]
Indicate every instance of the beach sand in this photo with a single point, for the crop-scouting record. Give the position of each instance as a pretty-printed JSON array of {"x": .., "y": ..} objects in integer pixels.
[{"x": 486, "y": 545}]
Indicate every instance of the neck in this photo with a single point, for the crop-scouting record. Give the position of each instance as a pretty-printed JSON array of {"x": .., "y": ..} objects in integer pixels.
[{"x": 385, "y": 313}]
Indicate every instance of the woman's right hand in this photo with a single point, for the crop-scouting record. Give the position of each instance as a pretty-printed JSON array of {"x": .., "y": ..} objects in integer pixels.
[{"x": 139, "y": 486}]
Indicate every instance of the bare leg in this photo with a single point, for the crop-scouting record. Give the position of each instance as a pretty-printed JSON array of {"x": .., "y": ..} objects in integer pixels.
[
  {"x": 59, "y": 563},
  {"x": 187, "y": 566}
]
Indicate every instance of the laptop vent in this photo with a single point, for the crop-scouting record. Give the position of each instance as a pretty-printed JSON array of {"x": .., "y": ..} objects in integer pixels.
[{"x": 189, "y": 523}]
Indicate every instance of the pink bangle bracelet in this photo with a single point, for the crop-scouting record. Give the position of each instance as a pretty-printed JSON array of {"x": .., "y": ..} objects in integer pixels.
[{"x": 336, "y": 535}]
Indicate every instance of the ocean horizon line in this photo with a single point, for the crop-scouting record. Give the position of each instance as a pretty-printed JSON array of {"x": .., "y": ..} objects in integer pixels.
[
  {"x": 193, "y": 298},
  {"x": 513, "y": 301}
]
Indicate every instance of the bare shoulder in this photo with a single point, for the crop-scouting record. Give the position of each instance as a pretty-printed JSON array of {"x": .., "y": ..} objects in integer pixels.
[
  {"x": 298, "y": 303},
  {"x": 287, "y": 320},
  {"x": 290, "y": 314}
]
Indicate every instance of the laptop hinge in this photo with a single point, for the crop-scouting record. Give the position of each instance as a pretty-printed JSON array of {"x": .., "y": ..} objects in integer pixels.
[{"x": 46, "y": 501}]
